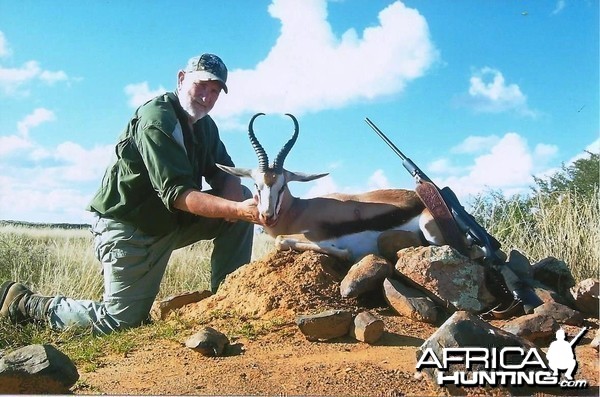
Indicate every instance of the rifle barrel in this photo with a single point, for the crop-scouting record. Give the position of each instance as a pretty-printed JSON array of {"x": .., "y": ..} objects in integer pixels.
[{"x": 385, "y": 139}]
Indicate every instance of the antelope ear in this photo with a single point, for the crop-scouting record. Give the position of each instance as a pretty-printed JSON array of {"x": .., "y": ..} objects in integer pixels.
[
  {"x": 301, "y": 177},
  {"x": 239, "y": 172}
]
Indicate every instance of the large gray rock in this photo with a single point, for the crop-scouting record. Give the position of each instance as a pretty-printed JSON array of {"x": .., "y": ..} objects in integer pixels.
[
  {"x": 464, "y": 329},
  {"x": 37, "y": 369},
  {"x": 561, "y": 313},
  {"x": 555, "y": 274},
  {"x": 455, "y": 280},
  {"x": 366, "y": 275},
  {"x": 519, "y": 264},
  {"x": 326, "y": 325},
  {"x": 536, "y": 327},
  {"x": 409, "y": 302}
]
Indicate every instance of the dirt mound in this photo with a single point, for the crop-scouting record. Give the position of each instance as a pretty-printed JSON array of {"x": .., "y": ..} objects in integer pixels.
[{"x": 282, "y": 284}]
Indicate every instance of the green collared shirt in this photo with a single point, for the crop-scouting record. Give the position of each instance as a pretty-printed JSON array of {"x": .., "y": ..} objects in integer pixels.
[{"x": 157, "y": 159}]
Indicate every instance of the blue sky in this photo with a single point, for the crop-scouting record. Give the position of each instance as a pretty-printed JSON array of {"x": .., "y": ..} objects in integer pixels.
[{"x": 481, "y": 94}]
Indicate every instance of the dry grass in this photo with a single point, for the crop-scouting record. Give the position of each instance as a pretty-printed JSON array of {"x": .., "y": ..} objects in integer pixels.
[
  {"x": 564, "y": 227},
  {"x": 53, "y": 261}
]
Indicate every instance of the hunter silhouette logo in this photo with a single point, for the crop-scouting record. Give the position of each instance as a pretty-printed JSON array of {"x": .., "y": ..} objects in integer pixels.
[{"x": 561, "y": 354}]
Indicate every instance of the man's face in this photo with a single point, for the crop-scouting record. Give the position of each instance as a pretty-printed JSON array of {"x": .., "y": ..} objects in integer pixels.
[{"x": 197, "y": 98}]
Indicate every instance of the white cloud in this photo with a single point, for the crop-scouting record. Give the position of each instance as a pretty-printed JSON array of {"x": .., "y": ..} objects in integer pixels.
[
  {"x": 12, "y": 79},
  {"x": 443, "y": 166},
  {"x": 5, "y": 50},
  {"x": 378, "y": 180},
  {"x": 321, "y": 187},
  {"x": 508, "y": 165},
  {"x": 140, "y": 93},
  {"x": 21, "y": 142},
  {"x": 44, "y": 192},
  {"x": 13, "y": 143},
  {"x": 39, "y": 116},
  {"x": 560, "y": 5},
  {"x": 309, "y": 68},
  {"x": 52, "y": 77},
  {"x": 490, "y": 93},
  {"x": 37, "y": 185},
  {"x": 81, "y": 164},
  {"x": 475, "y": 144},
  {"x": 594, "y": 147},
  {"x": 33, "y": 204}
]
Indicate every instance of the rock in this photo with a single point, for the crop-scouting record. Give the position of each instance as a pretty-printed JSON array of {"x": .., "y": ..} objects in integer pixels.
[
  {"x": 392, "y": 241},
  {"x": 161, "y": 309},
  {"x": 208, "y": 342},
  {"x": 555, "y": 274},
  {"x": 37, "y": 369},
  {"x": 534, "y": 327},
  {"x": 596, "y": 341},
  {"x": 409, "y": 302},
  {"x": 519, "y": 264},
  {"x": 451, "y": 277},
  {"x": 364, "y": 276},
  {"x": 585, "y": 295},
  {"x": 367, "y": 327},
  {"x": 464, "y": 329},
  {"x": 325, "y": 325},
  {"x": 546, "y": 294},
  {"x": 560, "y": 313}
]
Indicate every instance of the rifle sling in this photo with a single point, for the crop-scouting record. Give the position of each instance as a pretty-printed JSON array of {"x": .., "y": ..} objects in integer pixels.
[{"x": 432, "y": 199}]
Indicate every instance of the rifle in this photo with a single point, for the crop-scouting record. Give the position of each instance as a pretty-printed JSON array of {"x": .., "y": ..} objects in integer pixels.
[
  {"x": 578, "y": 336},
  {"x": 455, "y": 222}
]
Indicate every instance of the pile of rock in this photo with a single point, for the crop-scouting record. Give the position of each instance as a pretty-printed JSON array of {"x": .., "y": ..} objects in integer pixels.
[{"x": 428, "y": 284}]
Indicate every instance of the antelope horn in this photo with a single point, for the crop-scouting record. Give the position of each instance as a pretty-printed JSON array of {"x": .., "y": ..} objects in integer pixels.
[
  {"x": 278, "y": 163},
  {"x": 263, "y": 160}
]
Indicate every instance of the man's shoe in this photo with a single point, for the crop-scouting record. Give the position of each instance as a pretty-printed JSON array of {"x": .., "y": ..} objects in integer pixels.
[{"x": 20, "y": 305}]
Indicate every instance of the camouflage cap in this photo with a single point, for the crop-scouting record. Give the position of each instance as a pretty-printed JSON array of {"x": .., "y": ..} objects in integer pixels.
[{"x": 207, "y": 67}]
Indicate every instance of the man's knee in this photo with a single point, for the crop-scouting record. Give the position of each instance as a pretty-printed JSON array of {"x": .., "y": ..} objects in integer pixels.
[{"x": 124, "y": 315}]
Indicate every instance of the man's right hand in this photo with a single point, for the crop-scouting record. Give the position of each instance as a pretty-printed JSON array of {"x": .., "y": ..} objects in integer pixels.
[
  {"x": 247, "y": 211},
  {"x": 210, "y": 206}
]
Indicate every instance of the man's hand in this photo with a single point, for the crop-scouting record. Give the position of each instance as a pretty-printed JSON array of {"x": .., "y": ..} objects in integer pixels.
[
  {"x": 248, "y": 212},
  {"x": 211, "y": 206}
]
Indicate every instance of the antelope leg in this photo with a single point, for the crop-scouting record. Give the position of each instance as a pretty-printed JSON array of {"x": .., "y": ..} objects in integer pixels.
[{"x": 299, "y": 242}]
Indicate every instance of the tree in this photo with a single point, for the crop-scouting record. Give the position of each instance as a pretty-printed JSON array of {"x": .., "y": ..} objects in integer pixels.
[{"x": 581, "y": 177}]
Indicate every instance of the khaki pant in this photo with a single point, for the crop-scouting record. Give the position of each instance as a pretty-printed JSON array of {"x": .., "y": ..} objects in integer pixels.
[{"x": 133, "y": 265}]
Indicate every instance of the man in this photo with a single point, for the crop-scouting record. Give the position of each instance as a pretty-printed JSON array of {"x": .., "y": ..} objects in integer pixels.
[{"x": 150, "y": 203}]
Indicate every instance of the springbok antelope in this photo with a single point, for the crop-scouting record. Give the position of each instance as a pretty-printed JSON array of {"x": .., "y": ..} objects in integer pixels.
[{"x": 343, "y": 225}]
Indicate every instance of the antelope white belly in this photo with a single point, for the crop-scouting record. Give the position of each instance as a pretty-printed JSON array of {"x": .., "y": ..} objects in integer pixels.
[{"x": 363, "y": 243}]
